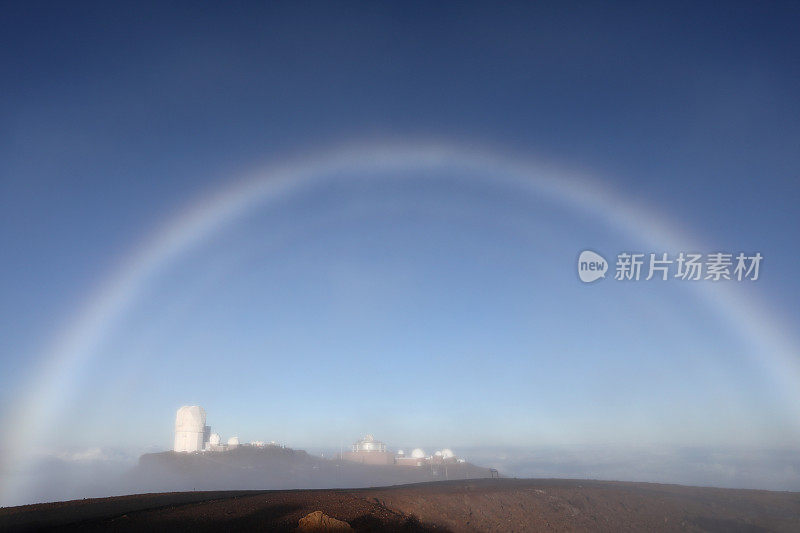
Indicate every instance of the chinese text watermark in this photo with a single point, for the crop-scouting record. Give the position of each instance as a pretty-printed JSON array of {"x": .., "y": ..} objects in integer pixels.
[{"x": 686, "y": 266}]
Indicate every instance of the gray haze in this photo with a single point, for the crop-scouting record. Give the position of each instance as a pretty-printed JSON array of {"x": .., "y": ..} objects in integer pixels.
[{"x": 106, "y": 472}]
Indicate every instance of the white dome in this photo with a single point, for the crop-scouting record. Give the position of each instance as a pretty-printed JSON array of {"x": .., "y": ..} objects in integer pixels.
[
  {"x": 418, "y": 453},
  {"x": 233, "y": 441},
  {"x": 214, "y": 439},
  {"x": 447, "y": 453},
  {"x": 400, "y": 452},
  {"x": 438, "y": 454}
]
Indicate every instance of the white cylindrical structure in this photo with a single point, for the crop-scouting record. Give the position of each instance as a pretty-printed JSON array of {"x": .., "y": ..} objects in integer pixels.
[
  {"x": 369, "y": 444},
  {"x": 233, "y": 442},
  {"x": 214, "y": 439},
  {"x": 190, "y": 424}
]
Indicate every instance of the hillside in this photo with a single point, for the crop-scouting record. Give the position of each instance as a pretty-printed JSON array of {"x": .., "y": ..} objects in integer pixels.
[
  {"x": 274, "y": 467},
  {"x": 472, "y": 505}
]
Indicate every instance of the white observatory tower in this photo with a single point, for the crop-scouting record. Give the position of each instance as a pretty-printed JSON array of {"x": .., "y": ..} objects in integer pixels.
[{"x": 190, "y": 428}]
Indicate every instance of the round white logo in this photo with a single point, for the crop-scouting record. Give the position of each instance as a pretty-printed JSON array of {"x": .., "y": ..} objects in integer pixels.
[{"x": 591, "y": 266}]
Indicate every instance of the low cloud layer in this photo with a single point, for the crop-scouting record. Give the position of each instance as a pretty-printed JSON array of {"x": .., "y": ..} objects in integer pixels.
[
  {"x": 98, "y": 472},
  {"x": 777, "y": 469}
]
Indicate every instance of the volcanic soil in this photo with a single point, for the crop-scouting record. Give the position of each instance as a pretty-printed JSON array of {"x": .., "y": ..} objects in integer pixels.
[{"x": 463, "y": 505}]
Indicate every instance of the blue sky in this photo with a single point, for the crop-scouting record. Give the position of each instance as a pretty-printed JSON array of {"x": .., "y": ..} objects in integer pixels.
[{"x": 453, "y": 308}]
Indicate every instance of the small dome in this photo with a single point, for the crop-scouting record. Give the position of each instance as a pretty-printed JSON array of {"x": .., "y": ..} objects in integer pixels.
[
  {"x": 400, "y": 452},
  {"x": 438, "y": 453},
  {"x": 447, "y": 453},
  {"x": 418, "y": 453},
  {"x": 214, "y": 439},
  {"x": 233, "y": 441}
]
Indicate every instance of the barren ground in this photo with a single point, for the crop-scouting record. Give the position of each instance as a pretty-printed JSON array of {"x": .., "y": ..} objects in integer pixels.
[{"x": 472, "y": 505}]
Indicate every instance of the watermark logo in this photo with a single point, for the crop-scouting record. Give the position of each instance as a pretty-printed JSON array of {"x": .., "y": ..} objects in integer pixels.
[
  {"x": 685, "y": 266},
  {"x": 591, "y": 266}
]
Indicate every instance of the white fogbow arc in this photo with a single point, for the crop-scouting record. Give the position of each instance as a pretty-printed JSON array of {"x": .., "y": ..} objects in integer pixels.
[{"x": 76, "y": 343}]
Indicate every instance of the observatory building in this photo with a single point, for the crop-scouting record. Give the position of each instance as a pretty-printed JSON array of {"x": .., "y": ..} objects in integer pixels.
[
  {"x": 373, "y": 452},
  {"x": 193, "y": 435},
  {"x": 191, "y": 432},
  {"x": 417, "y": 457},
  {"x": 369, "y": 451}
]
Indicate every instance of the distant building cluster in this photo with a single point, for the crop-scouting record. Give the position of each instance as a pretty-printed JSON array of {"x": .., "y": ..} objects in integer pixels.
[
  {"x": 374, "y": 452},
  {"x": 193, "y": 435}
]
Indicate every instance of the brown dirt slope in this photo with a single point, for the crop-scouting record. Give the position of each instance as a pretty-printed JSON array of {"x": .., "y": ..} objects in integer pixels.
[{"x": 473, "y": 505}]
